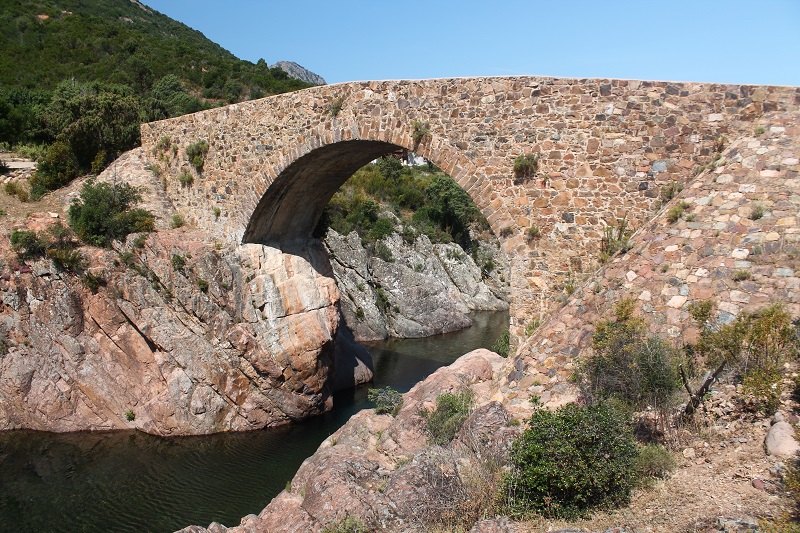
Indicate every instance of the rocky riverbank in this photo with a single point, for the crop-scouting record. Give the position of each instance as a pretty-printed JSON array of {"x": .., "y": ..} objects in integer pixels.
[
  {"x": 414, "y": 289},
  {"x": 181, "y": 335}
]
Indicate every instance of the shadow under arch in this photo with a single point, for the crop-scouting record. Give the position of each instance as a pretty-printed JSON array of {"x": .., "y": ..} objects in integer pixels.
[{"x": 293, "y": 203}]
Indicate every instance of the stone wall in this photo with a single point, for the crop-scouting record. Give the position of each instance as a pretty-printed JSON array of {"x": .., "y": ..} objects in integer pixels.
[{"x": 606, "y": 148}]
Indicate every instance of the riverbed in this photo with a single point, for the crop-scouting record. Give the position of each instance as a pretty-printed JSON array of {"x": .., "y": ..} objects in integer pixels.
[{"x": 130, "y": 481}]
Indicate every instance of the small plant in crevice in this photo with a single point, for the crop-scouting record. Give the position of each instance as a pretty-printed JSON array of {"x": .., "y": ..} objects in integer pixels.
[
  {"x": 741, "y": 275},
  {"x": 757, "y": 211},
  {"x": 676, "y": 212},
  {"x": 177, "y": 221},
  {"x": 526, "y": 166},
  {"x": 383, "y": 252},
  {"x": 185, "y": 178},
  {"x": 670, "y": 190},
  {"x": 759, "y": 130},
  {"x": 569, "y": 285},
  {"x": 506, "y": 232},
  {"x": 202, "y": 285},
  {"x": 178, "y": 263},
  {"x": 217, "y": 212},
  {"x": 387, "y": 400},
  {"x": 93, "y": 281},
  {"x": 197, "y": 154},
  {"x": 420, "y": 132},
  {"x": 502, "y": 345},
  {"x": 130, "y": 416},
  {"x": 335, "y": 106},
  {"x": 446, "y": 419},
  {"x": 616, "y": 238},
  {"x": 533, "y": 233},
  {"x": 347, "y": 524}
]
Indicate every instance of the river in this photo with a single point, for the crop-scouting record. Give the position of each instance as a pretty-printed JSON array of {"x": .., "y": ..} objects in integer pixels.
[{"x": 130, "y": 481}]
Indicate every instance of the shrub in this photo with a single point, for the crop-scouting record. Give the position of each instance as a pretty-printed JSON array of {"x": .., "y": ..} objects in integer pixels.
[
  {"x": 185, "y": 178},
  {"x": 532, "y": 233},
  {"x": 572, "y": 460},
  {"x": 503, "y": 344},
  {"x": 178, "y": 262},
  {"x": 384, "y": 252},
  {"x": 669, "y": 191},
  {"x": 421, "y": 131},
  {"x": 526, "y": 166},
  {"x": 336, "y": 105},
  {"x": 765, "y": 385},
  {"x": 654, "y": 461},
  {"x": 99, "y": 162},
  {"x": 14, "y": 188},
  {"x": 348, "y": 524},
  {"x": 202, "y": 285},
  {"x": 217, "y": 212},
  {"x": 58, "y": 168},
  {"x": 757, "y": 211},
  {"x": 66, "y": 259},
  {"x": 197, "y": 154},
  {"x": 130, "y": 416},
  {"x": 28, "y": 244},
  {"x": 629, "y": 365},
  {"x": 93, "y": 282},
  {"x": 444, "y": 422},
  {"x": 616, "y": 238},
  {"x": 386, "y": 400},
  {"x": 104, "y": 213},
  {"x": 177, "y": 220},
  {"x": 741, "y": 275}
]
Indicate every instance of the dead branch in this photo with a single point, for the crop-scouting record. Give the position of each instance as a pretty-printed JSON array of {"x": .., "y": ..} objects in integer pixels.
[{"x": 696, "y": 398}]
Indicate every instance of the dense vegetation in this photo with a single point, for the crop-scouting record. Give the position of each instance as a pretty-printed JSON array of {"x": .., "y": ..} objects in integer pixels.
[
  {"x": 85, "y": 73},
  {"x": 572, "y": 460},
  {"x": 123, "y": 43},
  {"x": 426, "y": 201}
]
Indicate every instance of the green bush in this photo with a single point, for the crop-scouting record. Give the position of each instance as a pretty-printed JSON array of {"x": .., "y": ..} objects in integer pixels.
[
  {"x": 616, "y": 238},
  {"x": 202, "y": 285},
  {"x": 178, "y": 262},
  {"x": 526, "y": 166},
  {"x": 421, "y": 131},
  {"x": 197, "y": 154},
  {"x": 571, "y": 461},
  {"x": 654, "y": 461},
  {"x": 185, "y": 178},
  {"x": 502, "y": 345},
  {"x": 444, "y": 422},
  {"x": 28, "y": 244},
  {"x": 104, "y": 213},
  {"x": 629, "y": 364},
  {"x": 58, "y": 168},
  {"x": 130, "y": 416},
  {"x": 386, "y": 400},
  {"x": 177, "y": 220}
]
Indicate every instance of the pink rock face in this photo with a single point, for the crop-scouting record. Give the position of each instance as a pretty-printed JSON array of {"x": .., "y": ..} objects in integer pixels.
[{"x": 254, "y": 349}]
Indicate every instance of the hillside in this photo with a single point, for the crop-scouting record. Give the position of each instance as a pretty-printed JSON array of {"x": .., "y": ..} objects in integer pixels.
[{"x": 121, "y": 42}]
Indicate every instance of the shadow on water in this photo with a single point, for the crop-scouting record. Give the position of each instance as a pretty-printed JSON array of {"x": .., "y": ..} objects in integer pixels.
[{"x": 131, "y": 481}]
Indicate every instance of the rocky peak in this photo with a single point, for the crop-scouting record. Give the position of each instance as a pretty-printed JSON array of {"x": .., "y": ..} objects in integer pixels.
[{"x": 300, "y": 73}]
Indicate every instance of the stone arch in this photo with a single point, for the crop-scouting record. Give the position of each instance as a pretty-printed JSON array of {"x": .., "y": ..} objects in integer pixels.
[{"x": 293, "y": 202}]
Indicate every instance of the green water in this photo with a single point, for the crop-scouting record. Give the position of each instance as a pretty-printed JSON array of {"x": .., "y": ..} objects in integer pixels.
[{"x": 131, "y": 481}]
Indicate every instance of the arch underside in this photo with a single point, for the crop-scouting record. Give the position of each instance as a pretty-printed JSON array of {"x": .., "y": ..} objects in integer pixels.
[{"x": 292, "y": 205}]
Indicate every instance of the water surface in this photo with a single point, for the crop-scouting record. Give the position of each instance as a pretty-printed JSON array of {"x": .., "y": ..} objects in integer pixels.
[{"x": 130, "y": 481}]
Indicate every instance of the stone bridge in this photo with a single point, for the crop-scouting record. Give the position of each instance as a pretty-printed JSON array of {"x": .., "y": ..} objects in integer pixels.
[{"x": 606, "y": 149}]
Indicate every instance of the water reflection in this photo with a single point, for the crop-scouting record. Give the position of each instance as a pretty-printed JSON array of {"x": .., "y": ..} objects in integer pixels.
[{"x": 131, "y": 481}]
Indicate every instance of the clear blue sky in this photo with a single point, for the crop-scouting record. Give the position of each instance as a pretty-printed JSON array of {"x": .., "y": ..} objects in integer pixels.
[{"x": 731, "y": 41}]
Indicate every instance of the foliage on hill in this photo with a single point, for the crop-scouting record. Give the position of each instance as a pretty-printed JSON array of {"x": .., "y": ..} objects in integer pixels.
[
  {"x": 121, "y": 42},
  {"x": 86, "y": 73},
  {"x": 424, "y": 200}
]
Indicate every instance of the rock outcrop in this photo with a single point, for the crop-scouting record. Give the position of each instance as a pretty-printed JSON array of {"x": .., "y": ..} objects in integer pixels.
[
  {"x": 413, "y": 289},
  {"x": 299, "y": 73},
  {"x": 381, "y": 469},
  {"x": 185, "y": 337}
]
